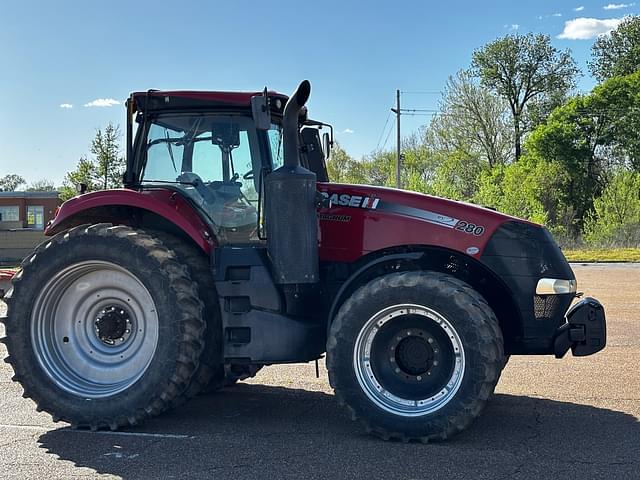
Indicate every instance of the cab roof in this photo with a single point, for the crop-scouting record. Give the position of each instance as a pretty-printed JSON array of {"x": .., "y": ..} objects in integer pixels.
[{"x": 158, "y": 100}]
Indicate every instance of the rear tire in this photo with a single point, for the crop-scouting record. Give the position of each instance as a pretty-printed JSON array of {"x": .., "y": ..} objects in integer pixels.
[
  {"x": 104, "y": 327},
  {"x": 415, "y": 355},
  {"x": 210, "y": 373}
]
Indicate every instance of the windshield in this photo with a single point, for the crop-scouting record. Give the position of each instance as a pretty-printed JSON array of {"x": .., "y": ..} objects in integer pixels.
[{"x": 215, "y": 160}]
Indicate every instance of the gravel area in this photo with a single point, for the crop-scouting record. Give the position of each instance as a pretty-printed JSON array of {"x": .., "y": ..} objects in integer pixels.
[{"x": 575, "y": 418}]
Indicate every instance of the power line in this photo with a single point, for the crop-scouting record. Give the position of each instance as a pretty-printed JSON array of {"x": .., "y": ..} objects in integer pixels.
[
  {"x": 387, "y": 139},
  {"x": 422, "y": 92},
  {"x": 383, "y": 129},
  {"x": 414, "y": 110}
]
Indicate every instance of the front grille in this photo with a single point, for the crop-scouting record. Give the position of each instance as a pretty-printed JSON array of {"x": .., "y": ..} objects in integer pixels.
[{"x": 548, "y": 307}]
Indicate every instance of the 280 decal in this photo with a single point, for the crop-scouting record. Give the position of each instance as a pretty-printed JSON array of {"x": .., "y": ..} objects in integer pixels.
[{"x": 470, "y": 228}]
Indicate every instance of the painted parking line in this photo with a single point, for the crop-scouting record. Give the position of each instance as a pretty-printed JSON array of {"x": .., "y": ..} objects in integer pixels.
[{"x": 36, "y": 428}]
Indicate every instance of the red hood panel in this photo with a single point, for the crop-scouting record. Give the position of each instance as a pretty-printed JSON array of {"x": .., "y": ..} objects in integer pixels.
[{"x": 364, "y": 219}]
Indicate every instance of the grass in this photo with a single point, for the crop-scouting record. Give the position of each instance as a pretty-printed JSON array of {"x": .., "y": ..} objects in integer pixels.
[{"x": 603, "y": 255}]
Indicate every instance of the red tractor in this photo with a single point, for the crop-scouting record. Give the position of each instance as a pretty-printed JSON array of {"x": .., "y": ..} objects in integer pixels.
[{"x": 229, "y": 249}]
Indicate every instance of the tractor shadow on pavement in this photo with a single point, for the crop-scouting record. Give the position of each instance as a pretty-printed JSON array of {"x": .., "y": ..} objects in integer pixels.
[{"x": 255, "y": 431}]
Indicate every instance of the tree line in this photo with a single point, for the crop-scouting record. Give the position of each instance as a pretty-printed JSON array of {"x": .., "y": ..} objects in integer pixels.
[{"x": 513, "y": 134}]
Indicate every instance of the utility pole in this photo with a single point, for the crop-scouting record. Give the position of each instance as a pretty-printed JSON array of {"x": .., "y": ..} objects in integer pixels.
[{"x": 398, "y": 154}]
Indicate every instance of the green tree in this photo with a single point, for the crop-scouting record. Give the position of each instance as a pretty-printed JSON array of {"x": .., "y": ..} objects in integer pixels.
[
  {"x": 589, "y": 136},
  {"x": 472, "y": 120},
  {"x": 522, "y": 68},
  {"x": 379, "y": 168},
  {"x": 10, "y": 182},
  {"x": 342, "y": 168},
  {"x": 42, "y": 185},
  {"x": 615, "y": 220},
  {"x": 617, "y": 53},
  {"x": 457, "y": 177},
  {"x": 418, "y": 165},
  {"x": 618, "y": 101},
  {"x": 574, "y": 137},
  {"x": 109, "y": 162},
  {"x": 101, "y": 172},
  {"x": 531, "y": 189},
  {"x": 85, "y": 173}
]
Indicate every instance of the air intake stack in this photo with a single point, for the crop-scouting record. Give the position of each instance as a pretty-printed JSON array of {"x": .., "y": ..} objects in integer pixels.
[{"x": 290, "y": 205}]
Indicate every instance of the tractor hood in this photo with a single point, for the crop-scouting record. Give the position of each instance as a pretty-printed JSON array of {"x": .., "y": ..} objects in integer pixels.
[{"x": 363, "y": 219}]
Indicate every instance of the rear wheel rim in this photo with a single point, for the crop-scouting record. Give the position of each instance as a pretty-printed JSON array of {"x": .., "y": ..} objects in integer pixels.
[
  {"x": 409, "y": 360},
  {"x": 94, "y": 328}
]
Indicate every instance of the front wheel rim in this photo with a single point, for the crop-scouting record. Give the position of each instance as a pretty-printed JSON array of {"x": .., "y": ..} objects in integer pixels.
[
  {"x": 94, "y": 328},
  {"x": 397, "y": 351}
]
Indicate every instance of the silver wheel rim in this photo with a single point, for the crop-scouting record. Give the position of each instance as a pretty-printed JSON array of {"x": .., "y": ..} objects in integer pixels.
[
  {"x": 94, "y": 328},
  {"x": 372, "y": 386}
]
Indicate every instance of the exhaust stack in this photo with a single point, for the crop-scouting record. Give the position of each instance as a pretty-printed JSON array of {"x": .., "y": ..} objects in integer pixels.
[{"x": 290, "y": 205}]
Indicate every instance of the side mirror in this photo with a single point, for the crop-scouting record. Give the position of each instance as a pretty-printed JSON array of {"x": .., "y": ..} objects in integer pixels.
[
  {"x": 326, "y": 145},
  {"x": 260, "y": 111}
]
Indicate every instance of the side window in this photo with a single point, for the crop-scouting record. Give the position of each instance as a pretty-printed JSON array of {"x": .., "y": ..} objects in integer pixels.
[
  {"x": 275, "y": 142},
  {"x": 164, "y": 156},
  {"x": 223, "y": 151},
  {"x": 244, "y": 166}
]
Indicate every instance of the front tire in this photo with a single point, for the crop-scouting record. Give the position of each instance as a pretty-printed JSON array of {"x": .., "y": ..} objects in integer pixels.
[
  {"x": 104, "y": 326},
  {"x": 415, "y": 355}
]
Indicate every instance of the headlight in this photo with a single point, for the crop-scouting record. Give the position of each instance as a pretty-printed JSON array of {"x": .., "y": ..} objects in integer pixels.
[{"x": 555, "y": 286}]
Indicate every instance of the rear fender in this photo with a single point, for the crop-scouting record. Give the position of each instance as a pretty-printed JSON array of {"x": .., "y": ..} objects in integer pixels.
[{"x": 130, "y": 207}]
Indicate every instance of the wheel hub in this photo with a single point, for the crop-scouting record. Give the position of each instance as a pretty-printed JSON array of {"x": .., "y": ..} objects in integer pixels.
[
  {"x": 409, "y": 360},
  {"x": 113, "y": 325},
  {"x": 413, "y": 353}
]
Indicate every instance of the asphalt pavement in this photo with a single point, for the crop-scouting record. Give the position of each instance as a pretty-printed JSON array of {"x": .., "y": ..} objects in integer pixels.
[{"x": 575, "y": 418}]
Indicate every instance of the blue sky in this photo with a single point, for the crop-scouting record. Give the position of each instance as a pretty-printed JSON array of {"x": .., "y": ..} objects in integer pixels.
[{"x": 355, "y": 54}]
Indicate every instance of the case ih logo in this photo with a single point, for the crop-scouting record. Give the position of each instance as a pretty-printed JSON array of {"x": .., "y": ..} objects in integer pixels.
[{"x": 356, "y": 201}]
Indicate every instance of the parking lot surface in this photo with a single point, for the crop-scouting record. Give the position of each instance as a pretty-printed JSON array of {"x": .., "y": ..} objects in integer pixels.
[{"x": 575, "y": 418}]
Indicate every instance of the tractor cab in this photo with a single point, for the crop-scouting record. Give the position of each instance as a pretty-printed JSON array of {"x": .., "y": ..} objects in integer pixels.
[{"x": 216, "y": 148}]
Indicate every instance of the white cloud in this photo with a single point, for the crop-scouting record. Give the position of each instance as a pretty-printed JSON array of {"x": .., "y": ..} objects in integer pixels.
[
  {"x": 102, "y": 102},
  {"x": 348, "y": 130},
  {"x": 578, "y": 9},
  {"x": 556, "y": 15},
  {"x": 66, "y": 105},
  {"x": 618, "y": 6},
  {"x": 513, "y": 26},
  {"x": 586, "y": 28}
]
